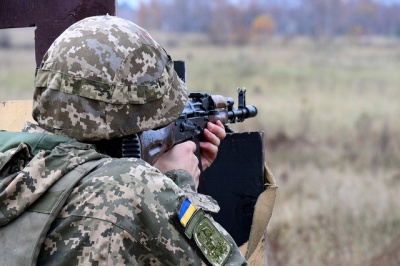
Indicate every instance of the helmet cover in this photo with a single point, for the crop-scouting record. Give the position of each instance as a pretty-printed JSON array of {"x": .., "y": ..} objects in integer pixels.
[{"x": 106, "y": 77}]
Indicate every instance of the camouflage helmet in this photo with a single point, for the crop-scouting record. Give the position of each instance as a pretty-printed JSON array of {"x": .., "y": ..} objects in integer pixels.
[{"x": 105, "y": 77}]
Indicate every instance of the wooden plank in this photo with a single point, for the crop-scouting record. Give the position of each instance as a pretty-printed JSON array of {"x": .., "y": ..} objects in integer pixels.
[
  {"x": 51, "y": 18},
  {"x": 17, "y": 13},
  {"x": 14, "y": 114}
]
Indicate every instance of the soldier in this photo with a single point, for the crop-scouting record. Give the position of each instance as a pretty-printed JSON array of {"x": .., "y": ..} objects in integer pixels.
[{"x": 63, "y": 202}]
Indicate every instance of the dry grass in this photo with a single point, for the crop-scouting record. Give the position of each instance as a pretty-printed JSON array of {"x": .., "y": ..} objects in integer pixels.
[
  {"x": 17, "y": 65},
  {"x": 331, "y": 116}
]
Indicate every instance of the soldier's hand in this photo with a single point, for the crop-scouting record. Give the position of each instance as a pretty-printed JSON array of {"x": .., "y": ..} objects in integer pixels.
[
  {"x": 181, "y": 156},
  {"x": 213, "y": 135}
]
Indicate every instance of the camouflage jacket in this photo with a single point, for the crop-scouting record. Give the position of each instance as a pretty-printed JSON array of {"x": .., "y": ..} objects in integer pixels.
[{"x": 125, "y": 212}]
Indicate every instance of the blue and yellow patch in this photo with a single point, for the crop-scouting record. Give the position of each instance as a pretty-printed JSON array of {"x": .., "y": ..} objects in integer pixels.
[
  {"x": 212, "y": 243},
  {"x": 186, "y": 212}
]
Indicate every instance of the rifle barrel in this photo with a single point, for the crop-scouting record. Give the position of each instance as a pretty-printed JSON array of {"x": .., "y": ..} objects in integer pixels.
[{"x": 239, "y": 115}]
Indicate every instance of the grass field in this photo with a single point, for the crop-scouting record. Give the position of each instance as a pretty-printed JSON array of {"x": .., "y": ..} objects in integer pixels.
[
  {"x": 330, "y": 110},
  {"x": 331, "y": 115}
]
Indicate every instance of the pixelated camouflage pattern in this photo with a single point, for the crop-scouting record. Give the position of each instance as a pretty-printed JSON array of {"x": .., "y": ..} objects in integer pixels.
[
  {"x": 125, "y": 213},
  {"x": 105, "y": 77},
  {"x": 122, "y": 213},
  {"x": 25, "y": 178},
  {"x": 205, "y": 202},
  {"x": 14, "y": 160}
]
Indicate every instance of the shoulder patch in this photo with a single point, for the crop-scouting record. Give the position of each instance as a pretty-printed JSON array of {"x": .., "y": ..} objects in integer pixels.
[{"x": 212, "y": 243}]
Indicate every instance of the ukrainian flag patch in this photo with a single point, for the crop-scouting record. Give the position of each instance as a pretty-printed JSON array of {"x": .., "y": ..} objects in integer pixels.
[
  {"x": 186, "y": 212},
  {"x": 212, "y": 243}
]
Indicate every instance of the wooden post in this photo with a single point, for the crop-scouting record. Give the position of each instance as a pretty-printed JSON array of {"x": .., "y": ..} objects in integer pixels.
[
  {"x": 51, "y": 18},
  {"x": 14, "y": 114}
]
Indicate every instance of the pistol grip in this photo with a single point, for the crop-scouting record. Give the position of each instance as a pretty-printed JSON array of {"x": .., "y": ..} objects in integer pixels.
[{"x": 196, "y": 140}]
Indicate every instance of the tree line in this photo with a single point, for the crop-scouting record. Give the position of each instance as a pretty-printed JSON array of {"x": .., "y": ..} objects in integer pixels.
[{"x": 240, "y": 20}]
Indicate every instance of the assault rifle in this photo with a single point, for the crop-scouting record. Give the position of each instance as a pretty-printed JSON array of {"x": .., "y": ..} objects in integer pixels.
[{"x": 199, "y": 109}]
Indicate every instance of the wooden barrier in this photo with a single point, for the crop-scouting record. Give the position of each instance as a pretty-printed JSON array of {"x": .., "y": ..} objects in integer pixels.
[
  {"x": 14, "y": 114},
  {"x": 50, "y": 18}
]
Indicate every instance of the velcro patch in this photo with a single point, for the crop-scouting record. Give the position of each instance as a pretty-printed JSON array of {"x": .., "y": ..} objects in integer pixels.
[
  {"x": 211, "y": 242},
  {"x": 205, "y": 202}
]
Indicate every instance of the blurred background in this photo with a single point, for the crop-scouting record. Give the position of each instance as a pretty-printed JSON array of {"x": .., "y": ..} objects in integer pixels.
[{"x": 324, "y": 75}]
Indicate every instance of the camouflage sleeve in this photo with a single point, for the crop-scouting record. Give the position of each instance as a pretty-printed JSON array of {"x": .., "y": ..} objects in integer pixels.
[
  {"x": 182, "y": 179},
  {"x": 123, "y": 213},
  {"x": 15, "y": 159}
]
